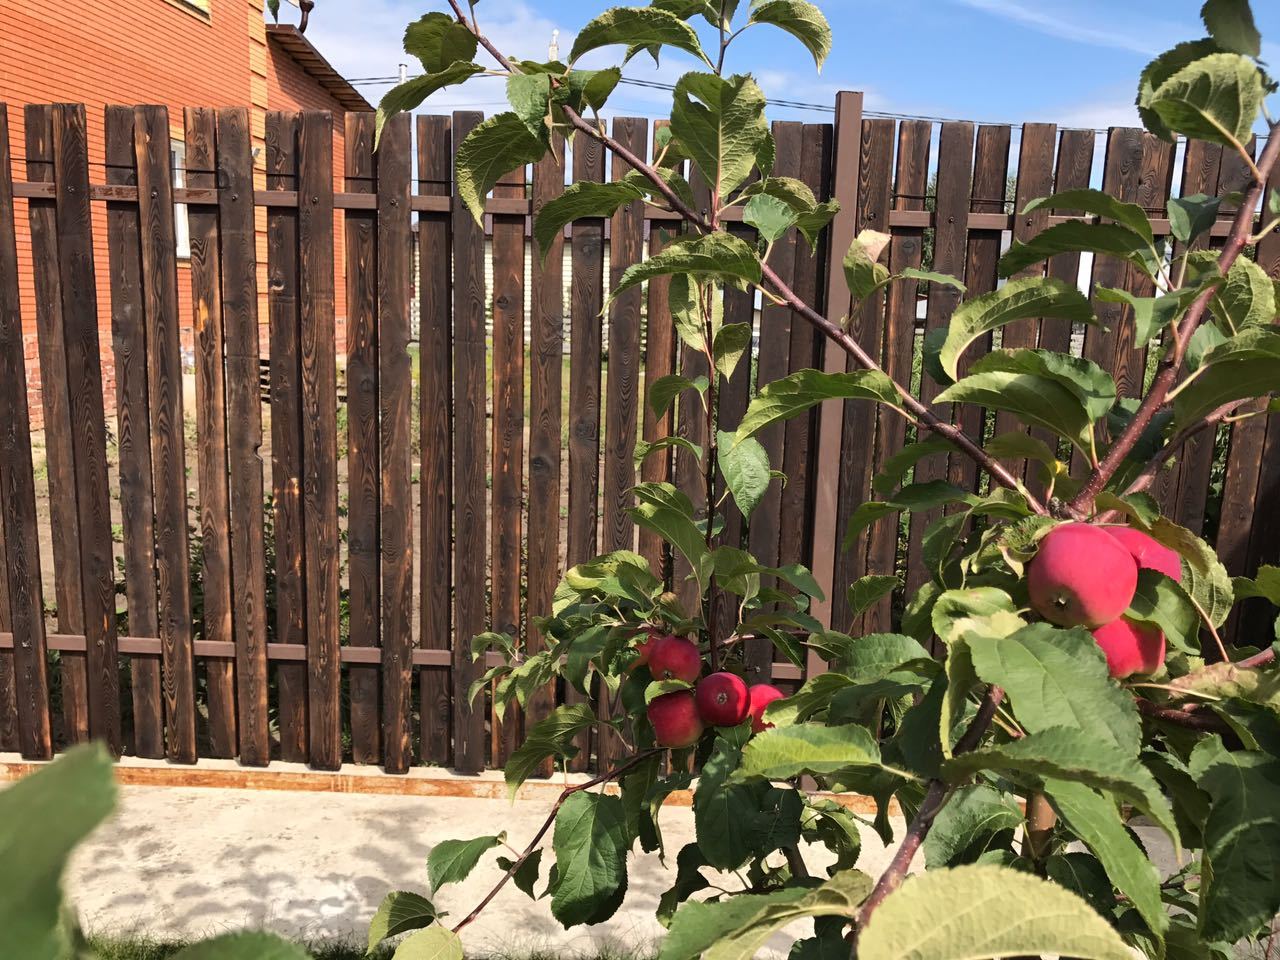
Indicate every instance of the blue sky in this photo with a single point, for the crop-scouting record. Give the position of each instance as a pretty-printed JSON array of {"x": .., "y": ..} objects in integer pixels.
[{"x": 1071, "y": 62}]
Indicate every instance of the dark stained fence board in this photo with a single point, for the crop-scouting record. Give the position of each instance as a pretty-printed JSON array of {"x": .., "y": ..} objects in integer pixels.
[
  {"x": 88, "y": 421},
  {"x": 905, "y": 251},
  {"x": 8, "y": 686},
  {"x": 211, "y": 428},
  {"x": 507, "y": 471},
  {"x": 1075, "y": 165},
  {"x": 133, "y": 439},
  {"x": 319, "y": 435},
  {"x": 546, "y": 357},
  {"x": 56, "y": 402},
  {"x": 395, "y": 397},
  {"x": 364, "y": 477},
  {"x": 22, "y": 595},
  {"x": 238, "y": 236},
  {"x": 435, "y": 158},
  {"x": 286, "y": 432},
  {"x": 470, "y": 495}
]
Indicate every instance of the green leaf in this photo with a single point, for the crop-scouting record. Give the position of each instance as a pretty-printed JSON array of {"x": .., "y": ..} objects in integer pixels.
[
  {"x": 1215, "y": 98},
  {"x": 439, "y": 40},
  {"x": 894, "y": 470},
  {"x": 583, "y": 199},
  {"x": 726, "y": 816},
  {"x": 637, "y": 28},
  {"x": 451, "y": 861},
  {"x": 1161, "y": 69},
  {"x": 713, "y": 255},
  {"x": 1059, "y": 678},
  {"x": 1160, "y": 601},
  {"x": 411, "y": 93},
  {"x": 1150, "y": 314},
  {"x": 929, "y": 276},
  {"x": 1204, "y": 579},
  {"x": 668, "y": 512},
  {"x": 1230, "y": 23},
  {"x": 42, "y": 818},
  {"x": 975, "y": 819},
  {"x": 689, "y": 880},
  {"x": 979, "y": 912},
  {"x": 866, "y": 592},
  {"x": 771, "y": 217},
  {"x": 551, "y": 736},
  {"x": 1242, "y": 840},
  {"x": 720, "y": 124},
  {"x": 591, "y": 845},
  {"x": 1016, "y": 300},
  {"x": 746, "y": 470},
  {"x": 526, "y": 875},
  {"x": 1064, "y": 753},
  {"x": 813, "y": 748},
  {"x": 488, "y": 153},
  {"x": 794, "y": 394},
  {"x": 1247, "y": 298},
  {"x": 731, "y": 342},
  {"x": 1079, "y": 236},
  {"x": 1192, "y": 215},
  {"x": 862, "y": 269},
  {"x": 1265, "y": 584},
  {"x": 644, "y": 448},
  {"x": 434, "y": 943},
  {"x": 244, "y": 946},
  {"x": 869, "y": 657},
  {"x": 1247, "y": 365},
  {"x": 399, "y": 912},
  {"x": 1099, "y": 204},
  {"x": 738, "y": 928},
  {"x": 915, "y": 496},
  {"x": 664, "y": 390},
  {"x": 1061, "y": 393},
  {"x": 1096, "y": 821},
  {"x": 802, "y": 20}
]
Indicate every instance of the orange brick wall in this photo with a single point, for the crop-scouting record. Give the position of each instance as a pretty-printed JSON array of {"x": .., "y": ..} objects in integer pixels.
[{"x": 100, "y": 52}]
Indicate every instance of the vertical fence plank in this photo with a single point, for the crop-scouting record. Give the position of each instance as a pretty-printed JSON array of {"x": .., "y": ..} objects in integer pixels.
[
  {"x": 319, "y": 435},
  {"x": 1075, "y": 165},
  {"x": 286, "y": 432},
  {"x": 857, "y": 448},
  {"x": 470, "y": 499},
  {"x": 905, "y": 251},
  {"x": 23, "y": 595},
  {"x": 846, "y": 175},
  {"x": 506, "y": 534},
  {"x": 238, "y": 236},
  {"x": 436, "y": 425},
  {"x": 56, "y": 401},
  {"x": 211, "y": 428},
  {"x": 88, "y": 421},
  {"x": 133, "y": 419},
  {"x": 546, "y": 359},
  {"x": 587, "y": 299},
  {"x": 8, "y": 682},
  {"x": 395, "y": 393},
  {"x": 364, "y": 482}
]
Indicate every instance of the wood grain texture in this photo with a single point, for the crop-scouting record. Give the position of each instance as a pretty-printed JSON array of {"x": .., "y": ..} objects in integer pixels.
[
  {"x": 133, "y": 434},
  {"x": 1074, "y": 168},
  {"x": 8, "y": 685},
  {"x": 435, "y": 292},
  {"x": 238, "y": 236},
  {"x": 364, "y": 476},
  {"x": 56, "y": 402},
  {"x": 26, "y": 683},
  {"x": 88, "y": 421},
  {"x": 211, "y": 427},
  {"x": 470, "y": 495},
  {"x": 395, "y": 400},
  {"x": 286, "y": 432},
  {"x": 319, "y": 435}
]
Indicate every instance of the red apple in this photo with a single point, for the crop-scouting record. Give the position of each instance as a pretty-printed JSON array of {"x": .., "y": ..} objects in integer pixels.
[
  {"x": 675, "y": 719},
  {"x": 722, "y": 699},
  {"x": 1130, "y": 647},
  {"x": 1081, "y": 576},
  {"x": 1148, "y": 552},
  {"x": 675, "y": 658},
  {"x": 645, "y": 647},
  {"x": 759, "y": 696}
]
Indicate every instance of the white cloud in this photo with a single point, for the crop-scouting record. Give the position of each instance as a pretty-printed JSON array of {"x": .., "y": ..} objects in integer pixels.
[{"x": 1036, "y": 19}]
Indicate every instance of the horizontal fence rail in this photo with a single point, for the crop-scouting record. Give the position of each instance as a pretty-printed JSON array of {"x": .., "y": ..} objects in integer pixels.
[{"x": 283, "y": 481}]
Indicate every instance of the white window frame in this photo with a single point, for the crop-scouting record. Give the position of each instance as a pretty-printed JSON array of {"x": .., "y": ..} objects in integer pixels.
[{"x": 181, "y": 226}]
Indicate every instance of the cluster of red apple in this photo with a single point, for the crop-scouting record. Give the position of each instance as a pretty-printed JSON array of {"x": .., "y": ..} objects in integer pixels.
[
  {"x": 721, "y": 699},
  {"x": 1085, "y": 576}
]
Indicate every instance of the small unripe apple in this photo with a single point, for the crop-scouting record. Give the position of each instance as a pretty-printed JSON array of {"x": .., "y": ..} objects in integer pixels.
[
  {"x": 675, "y": 719},
  {"x": 722, "y": 699},
  {"x": 675, "y": 658},
  {"x": 1130, "y": 647},
  {"x": 1148, "y": 552},
  {"x": 1081, "y": 576},
  {"x": 759, "y": 696}
]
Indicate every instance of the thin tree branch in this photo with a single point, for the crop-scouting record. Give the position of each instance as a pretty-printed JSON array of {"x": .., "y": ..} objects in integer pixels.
[
  {"x": 1237, "y": 240},
  {"x": 1192, "y": 716},
  {"x": 1152, "y": 468}
]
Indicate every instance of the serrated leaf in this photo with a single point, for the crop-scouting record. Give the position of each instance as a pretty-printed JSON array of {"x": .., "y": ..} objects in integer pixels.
[
  {"x": 1215, "y": 98},
  {"x": 746, "y": 471},
  {"x": 1079, "y": 236},
  {"x": 434, "y": 943},
  {"x": 802, "y": 20},
  {"x": 246, "y": 945},
  {"x": 894, "y": 470},
  {"x": 488, "y": 153},
  {"x": 1192, "y": 215},
  {"x": 451, "y": 861},
  {"x": 551, "y": 736},
  {"x": 720, "y": 124},
  {"x": 1230, "y": 23},
  {"x": 862, "y": 268},
  {"x": 439, "y": 40},
  {"x": 720, "y": 255},
  {"x": 668, "y": 512},
  {"x": 526, "y": 876},
  {"x": 1099, "y": 204},
  {"x": 1161, "y": 69},
  {"x": 1246, "y": 299},
  {"x": 591, "y": 844},
  {"x": 1246, "y": 365},
  {"x": 1016, "y": 300},
  {"x": 729, "y": 823},
  {"x": 785, "y": 398},
  {"x": 976, "y": 817},
  {"x": 664, "y": 390},
  {"x": 579, "y": 200},
  {"x": 866, "y": 592},
  {"x": 930, "y": 276},
  {"x": 731, "y": 342},
  {"x": 813, "y": 748},
  {"x": 638, "y": 28},
  {"x": 771, "y": 217},
  {"x": 1150, "y": 314},
  {"x": 979, "y": 912},
  {"x": 399, "y": 912},
  {"x": 689, "y": 880},
  {"x": 1160, "y": 601},
  {"x": 411, "y": 93},
  {"x": 1058, "y": 678},
  {"x": 915, "y": 496},
  {"x": 1205, "y": 579}
]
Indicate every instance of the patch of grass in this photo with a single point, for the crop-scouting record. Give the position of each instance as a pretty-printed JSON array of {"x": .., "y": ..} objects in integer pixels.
[{"x": 147, "y": 948}]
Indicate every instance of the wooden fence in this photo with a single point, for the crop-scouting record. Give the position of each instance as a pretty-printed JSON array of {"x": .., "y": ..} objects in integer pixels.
[{"x": 326, "y": 636}]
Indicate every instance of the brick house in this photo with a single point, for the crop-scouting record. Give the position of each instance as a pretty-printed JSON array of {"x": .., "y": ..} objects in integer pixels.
[{"x": 209, "y": 53}]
